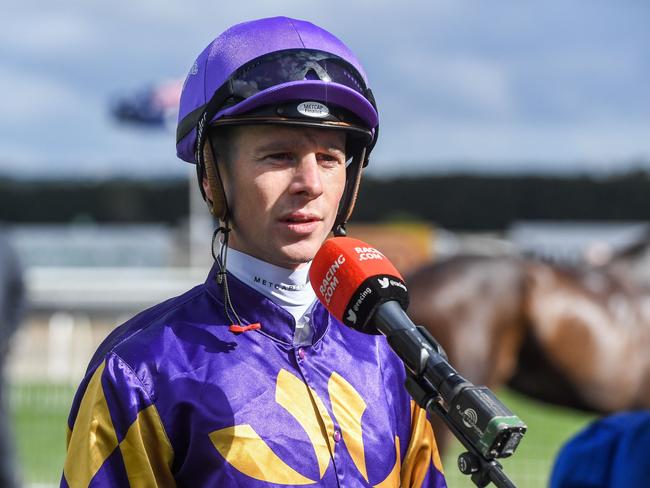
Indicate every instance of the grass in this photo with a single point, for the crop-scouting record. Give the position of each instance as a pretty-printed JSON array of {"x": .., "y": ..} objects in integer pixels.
[
  {"x": 530, "y": 466},
  {"x": 40, "y": 414}
]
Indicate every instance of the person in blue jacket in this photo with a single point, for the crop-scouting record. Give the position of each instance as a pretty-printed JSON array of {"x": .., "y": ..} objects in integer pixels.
[
  {"x": 247, "y": 380},
  {"x": 611, "y": 452}
]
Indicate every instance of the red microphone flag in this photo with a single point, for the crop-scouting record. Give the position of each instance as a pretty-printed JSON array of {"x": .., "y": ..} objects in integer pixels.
[{"x": 351, "y": 278}]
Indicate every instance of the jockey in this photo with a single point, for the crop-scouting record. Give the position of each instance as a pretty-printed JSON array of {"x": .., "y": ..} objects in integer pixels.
[{"x": 247, "y": 380}]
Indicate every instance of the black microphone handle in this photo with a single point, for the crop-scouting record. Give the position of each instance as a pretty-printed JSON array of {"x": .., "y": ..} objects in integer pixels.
[
  {"x": 415, "y": 350},
  {"x": 433, "y": 379}
]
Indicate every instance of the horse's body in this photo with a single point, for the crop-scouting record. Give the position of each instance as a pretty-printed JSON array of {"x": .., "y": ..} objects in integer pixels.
[
  {"x": 574, "y": 337},
  {"x": 473, "y": 306},
  {"x": 591, "y": 327}
]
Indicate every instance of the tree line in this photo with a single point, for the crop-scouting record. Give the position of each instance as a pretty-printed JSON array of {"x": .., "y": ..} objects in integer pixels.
[{"x": 461, "y": 202}]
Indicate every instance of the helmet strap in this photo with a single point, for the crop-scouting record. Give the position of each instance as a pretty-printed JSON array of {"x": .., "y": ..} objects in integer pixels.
[
  {"x": 217, "y": 201},
  {"x": 222, "y": 274},
  {"x": 351, "y": 192}
]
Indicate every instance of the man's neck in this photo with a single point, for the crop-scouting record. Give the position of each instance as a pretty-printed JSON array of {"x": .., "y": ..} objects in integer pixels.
[{"x": 289, "y": 289}]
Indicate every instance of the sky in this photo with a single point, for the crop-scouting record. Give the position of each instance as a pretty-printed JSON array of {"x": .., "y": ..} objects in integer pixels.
[{"x": 462, "y": 85}]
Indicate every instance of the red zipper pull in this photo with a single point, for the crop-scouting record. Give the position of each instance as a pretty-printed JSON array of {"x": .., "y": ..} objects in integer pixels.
[{"x": 237, "y": 329}]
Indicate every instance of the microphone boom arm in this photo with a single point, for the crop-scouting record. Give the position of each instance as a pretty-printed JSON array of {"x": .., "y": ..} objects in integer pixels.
[{"x": 484, "y": 425}]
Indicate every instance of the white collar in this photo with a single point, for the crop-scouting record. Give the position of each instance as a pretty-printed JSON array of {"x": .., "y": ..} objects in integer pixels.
[{"x": 290, "y": 289}]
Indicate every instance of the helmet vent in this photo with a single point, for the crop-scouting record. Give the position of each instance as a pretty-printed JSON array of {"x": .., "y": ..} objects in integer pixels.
[{"x": 311, "y": 74}]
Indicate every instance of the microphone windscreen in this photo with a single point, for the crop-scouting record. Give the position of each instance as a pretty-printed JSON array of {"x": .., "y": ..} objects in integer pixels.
[{"x": 352, "y": 278}]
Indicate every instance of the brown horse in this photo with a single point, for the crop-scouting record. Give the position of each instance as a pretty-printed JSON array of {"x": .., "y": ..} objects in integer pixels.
[
  {"x": 590, "y": 325},
  {"x": 576, "y": 337},
  {"x": 474, "y": 306}
]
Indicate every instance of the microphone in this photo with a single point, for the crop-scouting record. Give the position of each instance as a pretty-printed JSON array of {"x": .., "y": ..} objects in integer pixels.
[
  {"x": 351, "y": 279},
  {"x": 362, "y": 289}
]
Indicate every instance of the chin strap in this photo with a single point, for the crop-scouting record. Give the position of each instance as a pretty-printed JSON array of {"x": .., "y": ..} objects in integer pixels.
[
  {"x": 222, "y": 275},
  {"x": 349, "y": 198}
]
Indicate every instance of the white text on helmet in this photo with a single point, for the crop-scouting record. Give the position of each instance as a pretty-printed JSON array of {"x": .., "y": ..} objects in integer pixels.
[{"x": 313, "y": 109}]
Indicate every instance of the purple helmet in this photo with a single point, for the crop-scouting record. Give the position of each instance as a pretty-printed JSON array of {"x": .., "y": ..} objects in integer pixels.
[{"x": 279, "y": 71}]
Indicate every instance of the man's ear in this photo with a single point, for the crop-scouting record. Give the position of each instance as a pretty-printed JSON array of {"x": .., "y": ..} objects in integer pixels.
[
  {"x": 212, "y": 185},
  {"x": 205, "y": 183}
]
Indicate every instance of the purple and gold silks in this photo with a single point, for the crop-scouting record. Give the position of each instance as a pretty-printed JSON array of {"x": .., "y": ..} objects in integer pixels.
[{"x": 174, "y": 398}]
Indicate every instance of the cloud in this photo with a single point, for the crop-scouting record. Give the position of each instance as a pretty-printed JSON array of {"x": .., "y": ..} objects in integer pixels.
[
  {"x": 40, "y": 28},
  {"x": 453, "y": 87},
  {"x": 27, "y": 97},
  {"x": 441, "y": 146},
  {"x": 455, "y": 79}
]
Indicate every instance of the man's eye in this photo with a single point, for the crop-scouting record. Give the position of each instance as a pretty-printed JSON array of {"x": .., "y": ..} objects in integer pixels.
[
  {"x": 330, "y": 160},
  {"x": 279, "y": 156}
]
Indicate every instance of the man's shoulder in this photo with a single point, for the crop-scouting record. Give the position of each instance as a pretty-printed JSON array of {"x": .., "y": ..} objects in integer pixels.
[{"x": 144, "y": 335}]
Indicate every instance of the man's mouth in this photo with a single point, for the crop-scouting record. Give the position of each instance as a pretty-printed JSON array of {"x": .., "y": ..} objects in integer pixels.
[{"x": 300, "y": 218}]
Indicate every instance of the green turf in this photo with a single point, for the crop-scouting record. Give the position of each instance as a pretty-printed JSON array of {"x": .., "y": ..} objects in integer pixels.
[
  {"x": 40, "y": 413},
  {"x": 548, "y": 428}
]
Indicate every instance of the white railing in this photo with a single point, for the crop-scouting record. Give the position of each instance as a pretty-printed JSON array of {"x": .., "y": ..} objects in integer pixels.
[{"x": 107, "y": 289}]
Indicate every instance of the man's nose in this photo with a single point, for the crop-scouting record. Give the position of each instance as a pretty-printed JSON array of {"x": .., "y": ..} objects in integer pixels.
[{"x": 307, "y": 177}]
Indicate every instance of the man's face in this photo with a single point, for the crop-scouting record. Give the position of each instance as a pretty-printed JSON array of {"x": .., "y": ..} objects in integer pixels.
[{"x": 284, "y": 185}]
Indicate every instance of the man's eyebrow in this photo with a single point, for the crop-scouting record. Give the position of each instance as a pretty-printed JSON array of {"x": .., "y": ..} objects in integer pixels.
[
  {"x": 336, "y": 149},
  {"x": 283, "y": 146},
  {"x": 272, "y": 146}
]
